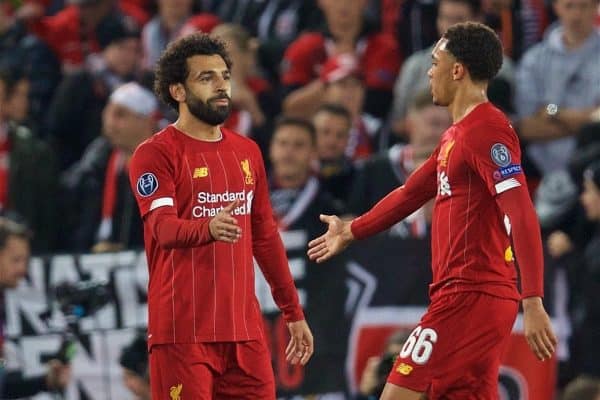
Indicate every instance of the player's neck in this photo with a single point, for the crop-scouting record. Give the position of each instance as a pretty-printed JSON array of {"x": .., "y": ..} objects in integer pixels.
[
  {"x": 198, "y": 129},
  {"x": 466, "y": 99}
]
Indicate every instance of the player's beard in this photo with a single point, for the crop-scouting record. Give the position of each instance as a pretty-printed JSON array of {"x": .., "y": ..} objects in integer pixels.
[{"x": 205, "y": 112}]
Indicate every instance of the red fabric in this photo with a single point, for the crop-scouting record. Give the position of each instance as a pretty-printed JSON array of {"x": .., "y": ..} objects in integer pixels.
[
  {"x": 115, "y": 165},
  {"x": 212, "y": 371},
  {"x": 203, "y": 22},
  {"x": 171, "y": 232},
  {"x": 379, "y": 61},
  {"x": 470, "y": 244},
  {"x": 455, "y": 352},
  {"x": 62, "y": 33},
  {"x": 205, "y": 293},
  {"x": 4, "y": 168},
  {"x": 527, "y": 239},
  {"x": 135, "y": 10}
]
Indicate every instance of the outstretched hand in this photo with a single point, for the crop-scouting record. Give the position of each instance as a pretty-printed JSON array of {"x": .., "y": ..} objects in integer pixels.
[
  {"x": 332, "y": 242},
  {"x": 224, "y": 226},
  {"x": 301, "y": 346}
]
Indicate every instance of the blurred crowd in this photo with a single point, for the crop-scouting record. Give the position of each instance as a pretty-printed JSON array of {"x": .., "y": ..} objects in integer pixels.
[{"x": 76, "y": 99}]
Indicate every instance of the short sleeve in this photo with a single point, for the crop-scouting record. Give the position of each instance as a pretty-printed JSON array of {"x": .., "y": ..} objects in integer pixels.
[
  {"x": 494, "y": 153},
  {"x": 151, "y": 178}
]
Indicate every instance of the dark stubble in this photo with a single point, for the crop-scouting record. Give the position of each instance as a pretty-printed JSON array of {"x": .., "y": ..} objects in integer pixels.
[{"x": 204, "y": 111}]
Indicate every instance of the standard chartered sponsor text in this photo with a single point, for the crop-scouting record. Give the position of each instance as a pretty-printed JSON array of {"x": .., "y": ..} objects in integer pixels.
[{"x": 207, "y": 200}]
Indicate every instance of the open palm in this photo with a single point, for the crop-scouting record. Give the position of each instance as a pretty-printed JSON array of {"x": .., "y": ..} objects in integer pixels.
[{"x": 332, "y": 242}]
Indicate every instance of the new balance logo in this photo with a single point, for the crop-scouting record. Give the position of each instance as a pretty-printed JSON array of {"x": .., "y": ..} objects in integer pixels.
[{"x": 444, "y": 185}]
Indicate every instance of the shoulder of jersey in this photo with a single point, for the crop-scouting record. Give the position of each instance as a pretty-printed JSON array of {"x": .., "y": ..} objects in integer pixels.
[
  {"x": 236, "y": 137},
  {"x": 160, "y": 137}
]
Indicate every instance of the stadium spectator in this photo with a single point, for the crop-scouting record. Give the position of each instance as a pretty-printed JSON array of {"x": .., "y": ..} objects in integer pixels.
[
  {"x": 558, "y": 85},
  {"x": 344, "y": 85},
  {"x": 163, "y": 28},
  {"x": 413, "y": 75},
  {"x": 582, "y": 388},
  {"x": 378, "y": 367},
  {"x": 381, "y": 174},
  {"x": 298, "y": 198},
  {"x": 73, "y": 32},
  {"x": 347, "y": 33},
  {"x": 253, "y": 99},
  {"x": 336, "y": 171},
  {"x": 14, "y": 258},
  {"x": 134, "y": 361},
  {"x": 34, "y": 60},
  {"x": 28, "y": 174},
  {"x": 75, "y": 115},
  {"x": 587, "y": 326},
  {"x": 103, "y": 214}
]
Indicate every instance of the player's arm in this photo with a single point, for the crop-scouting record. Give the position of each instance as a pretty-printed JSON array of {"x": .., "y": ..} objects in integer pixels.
[
  {"x": 151, "y": 176},
  {"x": 497, "y": 160},
  {"x": 270, "y": 254},
  {"x": 171, "y": 232},
  {"x": 420, "y": 187}
]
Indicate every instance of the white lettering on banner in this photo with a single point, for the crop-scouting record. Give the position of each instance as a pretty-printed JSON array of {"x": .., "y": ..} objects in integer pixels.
[
  {"x": 205, "y": 199},
  {"x": 295, "y": 242}
]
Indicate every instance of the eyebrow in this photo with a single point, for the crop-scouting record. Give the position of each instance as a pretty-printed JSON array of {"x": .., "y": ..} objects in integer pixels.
[{"x": 211, "y": 72}]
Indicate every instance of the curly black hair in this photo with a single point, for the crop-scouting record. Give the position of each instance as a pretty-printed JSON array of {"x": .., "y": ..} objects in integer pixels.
[
  {"x": 477, "y": 47},
  {"x": 172, "y": 66}
]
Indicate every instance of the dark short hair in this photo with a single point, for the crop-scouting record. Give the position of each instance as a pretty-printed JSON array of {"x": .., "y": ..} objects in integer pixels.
[
  {"x": 474, "y": 5},
  {"x": 335, "y": 109},
  {"x": 477, "y": 47},
  {"x": 10, "y": 228},
  {"x": 172, "y": 67},
  {"x": 302, "y": 123}
]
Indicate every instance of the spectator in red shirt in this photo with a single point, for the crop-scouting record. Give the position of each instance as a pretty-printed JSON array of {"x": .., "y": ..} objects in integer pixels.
[
  {"x": 72, "y": 33},
  {"x": 347, "y": 31}
]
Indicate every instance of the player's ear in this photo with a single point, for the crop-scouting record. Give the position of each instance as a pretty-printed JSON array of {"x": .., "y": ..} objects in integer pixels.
[
  {"x": 177, "y": 92},
  {"x": 458, "y": 71}
]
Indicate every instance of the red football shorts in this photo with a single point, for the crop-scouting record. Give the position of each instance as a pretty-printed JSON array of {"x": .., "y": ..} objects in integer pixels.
[
  {"x": 207, "y": 371},
  {"x": 454, "y": 353}
]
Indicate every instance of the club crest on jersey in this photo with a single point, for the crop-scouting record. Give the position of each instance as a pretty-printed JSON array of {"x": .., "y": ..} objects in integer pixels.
[
  {"x": 445, "y": 153},
  {"x": 147, "y": 184},
  {"x": 247, "y": 172},
  {"x": 500, "y": 155},
  {"x": 175, "y": 392}
]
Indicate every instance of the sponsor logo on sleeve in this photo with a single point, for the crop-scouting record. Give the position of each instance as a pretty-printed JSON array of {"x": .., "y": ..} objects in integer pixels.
[
  {"x": 500, "y": 155},
  {"x": 147, "y": 184},
  {"x": 505, "y": 172}
]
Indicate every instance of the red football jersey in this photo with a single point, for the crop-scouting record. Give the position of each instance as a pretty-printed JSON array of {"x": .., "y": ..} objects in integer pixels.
[
  {"x": 478, "y": 158},
  {"x": 206, "y": 293}
]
